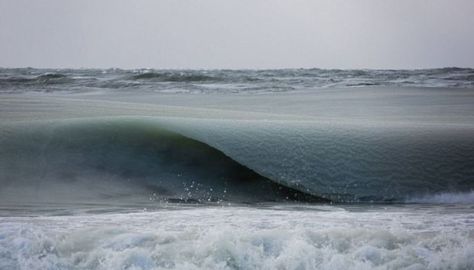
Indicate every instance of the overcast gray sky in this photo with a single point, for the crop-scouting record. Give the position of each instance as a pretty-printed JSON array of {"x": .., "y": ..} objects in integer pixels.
[{"x": 237, "y": 33}]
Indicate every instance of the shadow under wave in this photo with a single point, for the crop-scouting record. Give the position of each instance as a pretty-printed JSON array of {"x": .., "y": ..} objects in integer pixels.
[{"x": 125, "y": 161}]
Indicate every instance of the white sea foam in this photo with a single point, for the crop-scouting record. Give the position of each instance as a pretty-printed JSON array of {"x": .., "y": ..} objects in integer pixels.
[{"x": 244, "y": 238}]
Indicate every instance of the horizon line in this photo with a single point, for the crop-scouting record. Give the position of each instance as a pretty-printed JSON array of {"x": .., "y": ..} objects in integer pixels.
[{"x": 230, "y": 69}]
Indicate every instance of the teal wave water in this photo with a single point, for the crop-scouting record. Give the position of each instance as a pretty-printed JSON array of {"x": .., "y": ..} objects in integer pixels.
[
  {"x": 183, "y": 160},
  {"x": 125, "y": 161}
]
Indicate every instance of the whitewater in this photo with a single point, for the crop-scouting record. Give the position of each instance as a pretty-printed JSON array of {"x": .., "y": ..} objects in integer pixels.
[{"x": 236, "y": 169}]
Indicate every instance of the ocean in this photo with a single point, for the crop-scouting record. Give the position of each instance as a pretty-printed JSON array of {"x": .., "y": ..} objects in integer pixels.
[{"x": 236, "y": 169}]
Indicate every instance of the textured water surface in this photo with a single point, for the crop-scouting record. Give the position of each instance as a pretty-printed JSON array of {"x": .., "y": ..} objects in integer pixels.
[
  {"x": 226, "y": 81},
  {"x": 236, "y": 169}
]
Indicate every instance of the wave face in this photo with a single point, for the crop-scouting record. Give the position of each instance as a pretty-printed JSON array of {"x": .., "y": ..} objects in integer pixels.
[
  {"x": 346, "y": 164},
  {"x": 225, "y": 81},
  {"x": 125, "y": 161},
  {"x": 190, "y": 160},
  {"x": 344, "y": 145}
]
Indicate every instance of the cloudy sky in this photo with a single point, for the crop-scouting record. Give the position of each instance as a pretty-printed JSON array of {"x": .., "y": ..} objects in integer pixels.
[{"x": 237, "y": 33}]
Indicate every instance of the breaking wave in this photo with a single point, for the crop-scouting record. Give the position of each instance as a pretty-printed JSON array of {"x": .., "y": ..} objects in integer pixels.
[{"x": 119, "y": 161}]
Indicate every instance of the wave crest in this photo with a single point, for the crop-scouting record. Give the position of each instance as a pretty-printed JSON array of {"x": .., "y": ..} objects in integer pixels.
[{"x": 173, "y": 77}]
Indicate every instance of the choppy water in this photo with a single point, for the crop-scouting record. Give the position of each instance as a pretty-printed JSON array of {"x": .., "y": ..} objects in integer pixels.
[
  {"x": 226, "y": 81},
  {"x": 271, "y": 169}
]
